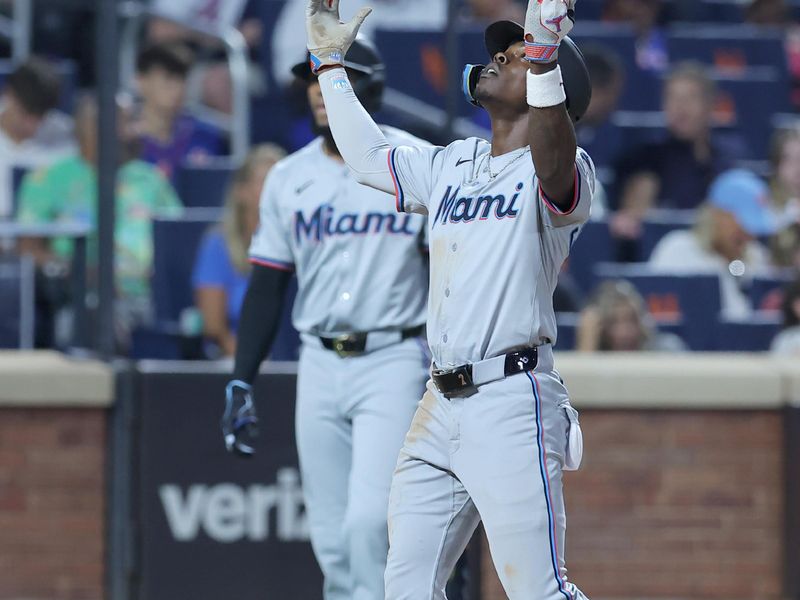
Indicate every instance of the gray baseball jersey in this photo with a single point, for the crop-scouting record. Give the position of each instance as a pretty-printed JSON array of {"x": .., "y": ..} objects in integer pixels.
[
  {"x": 360, "y": 268},
  {"x": 497, "y": 244},
  {"x": 495, "y": 248},
  {"x": 358, "y": 263}
]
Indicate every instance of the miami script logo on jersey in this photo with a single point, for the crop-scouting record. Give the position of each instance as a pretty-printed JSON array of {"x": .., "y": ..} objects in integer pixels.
[
  {"x": 455, "y": 209},
  {"x": 324, "y": 222}
]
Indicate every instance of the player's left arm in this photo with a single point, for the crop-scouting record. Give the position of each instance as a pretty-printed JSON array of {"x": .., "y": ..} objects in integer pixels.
[
  {"x": 553, "y": 146},
  {"x": 551, "y": 135}
]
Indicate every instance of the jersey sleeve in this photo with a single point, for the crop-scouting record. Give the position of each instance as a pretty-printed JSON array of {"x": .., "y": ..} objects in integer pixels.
[
  {"x": 414, "y": 170},
  {"x": 270, "y": 246},
  {"x": 583, "y": 191}
]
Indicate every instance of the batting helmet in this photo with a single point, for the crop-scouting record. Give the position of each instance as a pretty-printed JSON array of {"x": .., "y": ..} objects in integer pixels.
[
  {"x": 577, "y": 86},
  {"x": 362, "y": 57}
]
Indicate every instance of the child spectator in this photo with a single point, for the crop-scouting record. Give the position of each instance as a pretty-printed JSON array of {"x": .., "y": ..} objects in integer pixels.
[
  {"x": 222, "y": 267},
  {"x": 787, "y": 342},
  {"x": 67, "y": 192},
  {"x": 724, "y": 240},
  {"x": 171, "y": 137},
  {"x": 32, "y": 133},
  {"x": 616, "y": 320}
]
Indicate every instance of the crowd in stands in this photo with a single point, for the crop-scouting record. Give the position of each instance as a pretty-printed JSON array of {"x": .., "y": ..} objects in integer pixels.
[{"x": 685, "y": 188}]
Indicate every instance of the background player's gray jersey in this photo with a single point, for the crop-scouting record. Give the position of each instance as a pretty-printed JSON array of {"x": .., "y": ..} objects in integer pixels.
[
  {"x": 360, "y": 266},
  {"x": 496, "y": 245}
]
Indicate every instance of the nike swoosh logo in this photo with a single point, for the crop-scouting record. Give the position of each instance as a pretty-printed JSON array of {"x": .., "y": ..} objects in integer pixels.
[
  {"x": 461, "y": 161},
  {"x": 303, "y": 187}
]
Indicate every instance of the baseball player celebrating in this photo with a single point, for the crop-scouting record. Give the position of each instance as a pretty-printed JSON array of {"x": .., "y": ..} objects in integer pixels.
[
  {"x": 360, "y": 310},
  {"x": 495, "y": 429}
]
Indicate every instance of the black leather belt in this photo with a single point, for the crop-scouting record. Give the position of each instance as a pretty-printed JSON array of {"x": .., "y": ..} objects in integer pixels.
[
  {"x": 352, "y": 344},
  {"x": 451, "y": 382}
]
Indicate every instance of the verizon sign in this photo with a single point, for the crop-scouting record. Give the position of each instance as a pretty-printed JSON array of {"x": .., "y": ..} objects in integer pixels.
[
  {"x": 228, "y": 513},
  {"x": 211, "y": 525}
]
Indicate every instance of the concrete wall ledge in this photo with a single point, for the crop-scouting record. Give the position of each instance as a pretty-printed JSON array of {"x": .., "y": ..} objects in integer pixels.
[
  {"x": 50, "y": 379},
  {"x": 698, "y": 381}
]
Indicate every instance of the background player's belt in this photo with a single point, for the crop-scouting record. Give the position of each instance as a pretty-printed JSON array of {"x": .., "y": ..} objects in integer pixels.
[
  {"x": 352, "y": 344},
  {"x": 451, "y": 382}
]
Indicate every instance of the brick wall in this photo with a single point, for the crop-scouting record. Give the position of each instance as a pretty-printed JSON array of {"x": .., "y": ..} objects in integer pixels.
[
  {"x": 52, "y": 487},
  {"x": 678, "y": 505}
]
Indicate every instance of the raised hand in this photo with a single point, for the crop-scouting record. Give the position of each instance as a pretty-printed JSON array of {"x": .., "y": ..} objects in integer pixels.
[
  {"x": 547, "y": 22},
  {"x": 329, "y": 38}
]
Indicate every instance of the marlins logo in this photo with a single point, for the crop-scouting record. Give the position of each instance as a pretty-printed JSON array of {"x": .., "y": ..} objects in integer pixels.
[{"x": 465, "y": 209}]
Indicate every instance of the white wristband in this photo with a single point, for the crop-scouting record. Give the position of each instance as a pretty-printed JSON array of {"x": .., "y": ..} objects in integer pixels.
[{"x": 546, "y": 89}]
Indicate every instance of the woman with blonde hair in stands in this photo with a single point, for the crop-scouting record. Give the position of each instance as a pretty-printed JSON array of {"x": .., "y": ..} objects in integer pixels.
[
  {"x": 617, "y": 320},
  {"x": 222, "y": 268},
  {"x": 785, "y": 192}
]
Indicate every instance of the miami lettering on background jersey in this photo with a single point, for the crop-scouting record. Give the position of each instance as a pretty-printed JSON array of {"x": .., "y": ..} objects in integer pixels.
[{"x": 324, "y": 222}]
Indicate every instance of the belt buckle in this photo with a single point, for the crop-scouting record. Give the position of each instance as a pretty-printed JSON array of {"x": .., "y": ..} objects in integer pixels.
[
  {"x": 457, "y": 379},
  {"x": 340, "y": 345}
]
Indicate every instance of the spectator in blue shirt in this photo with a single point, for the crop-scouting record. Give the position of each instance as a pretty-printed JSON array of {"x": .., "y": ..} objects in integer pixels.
[
  {"x": 170, "y": 136},
  {"x": 222, "y": 269}
]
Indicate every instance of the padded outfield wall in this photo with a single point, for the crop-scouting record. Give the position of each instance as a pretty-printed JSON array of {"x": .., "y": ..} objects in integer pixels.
[{"x": 686, "y": 491}]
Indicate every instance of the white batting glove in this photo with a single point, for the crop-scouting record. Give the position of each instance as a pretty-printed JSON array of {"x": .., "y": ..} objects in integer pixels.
[
  {"x": 329, "y": 38},
  {"x": 547, "y": 22}
]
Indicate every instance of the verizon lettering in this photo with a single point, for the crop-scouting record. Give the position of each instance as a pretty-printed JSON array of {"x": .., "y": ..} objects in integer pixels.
[{"x": 229, "y": 513}]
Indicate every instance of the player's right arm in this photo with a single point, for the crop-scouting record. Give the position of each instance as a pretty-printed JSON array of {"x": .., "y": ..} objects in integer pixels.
[
  {"x": 272, "y": 260},
  {"x": 360, "y": 141}
]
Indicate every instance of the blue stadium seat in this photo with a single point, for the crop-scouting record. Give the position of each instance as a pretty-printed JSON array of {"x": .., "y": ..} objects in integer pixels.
[
  {"x": 660, "y": 223},
  {"x": 763, "y": 288},
  {"x": 692, "y": 299},
  {"x": 593, "y": 245},
  {"x": 17, "y": 310},
  {"x": 175, "y": 245},
  {"x": 203, "y": 186},
  {"x": 154, "y": 344},
  {"x": 755, "y": 98},
  {"x": 709, "y": 11},
  {"x": 753, "y": 335},
  {"x": 642, "y": 89},
  {"x": 567, "y": 330},
  {"x": 17, "y": 175},
  {"x": 727, "y": 45}
]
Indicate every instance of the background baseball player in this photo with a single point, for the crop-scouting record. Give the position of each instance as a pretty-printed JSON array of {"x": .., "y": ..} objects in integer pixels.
[
  {"x": 494, "y": 429},
  {"x": 360, "y": 309}
]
